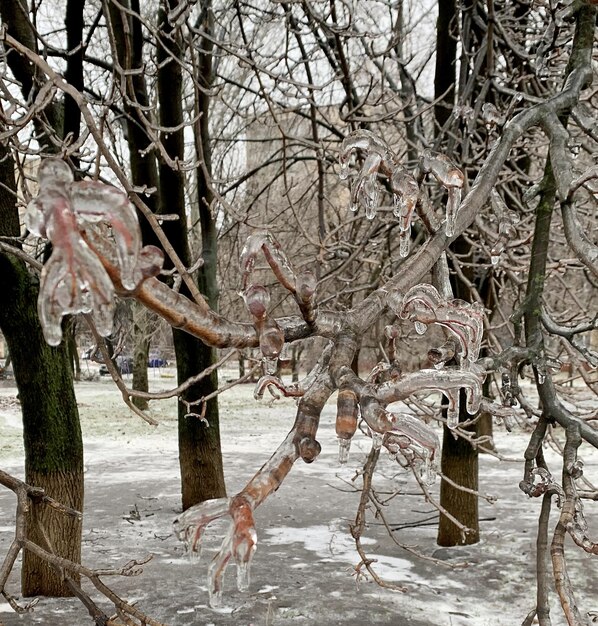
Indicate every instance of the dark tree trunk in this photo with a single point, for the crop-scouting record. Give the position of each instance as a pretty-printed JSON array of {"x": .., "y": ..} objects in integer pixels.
[
  {"x": 52, "y": 433},
  {"x": 447, "y": 33},
  {"x": 202, "y": 475},
  {"x": 53, "y": 444},
  {"x": 459, "y": 463},
  {"x": 128, "y": 42}
]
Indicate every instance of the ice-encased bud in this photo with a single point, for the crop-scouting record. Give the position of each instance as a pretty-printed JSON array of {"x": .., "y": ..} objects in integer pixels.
[
  {"x": 346, "y": 421},
  {"x": 271, "y": 339},
  {"x": 151, "y": 260},
  {"x": 491, "y": 116},
  {"x": 257, "y": 300},
  {"x": 309, "y": 449},
  {"x": 305, "y": 285},
  {"x": 420, "y": 328}
]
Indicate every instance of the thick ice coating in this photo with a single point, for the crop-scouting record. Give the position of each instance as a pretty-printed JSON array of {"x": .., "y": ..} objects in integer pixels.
[{"x": 73, "y": 280}]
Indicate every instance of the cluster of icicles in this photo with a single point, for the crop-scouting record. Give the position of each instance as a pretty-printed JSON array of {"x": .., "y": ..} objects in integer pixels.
[
  {"x": 379, "y": 159},
  {"x": 71, "y": 215},
  {"x": 77, "y": 216}
]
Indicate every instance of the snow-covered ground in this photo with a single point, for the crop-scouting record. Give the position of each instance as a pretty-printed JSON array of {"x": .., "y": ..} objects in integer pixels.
[{"x": 303, "y": 571}]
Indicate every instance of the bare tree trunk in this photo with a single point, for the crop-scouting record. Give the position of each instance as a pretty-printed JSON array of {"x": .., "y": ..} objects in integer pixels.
[
  {"x": 459, "y": 463},
  {"x": 51, "y": 428},
  {"x": 200, "y": 458},
  {"x": 141, "y": 348}
]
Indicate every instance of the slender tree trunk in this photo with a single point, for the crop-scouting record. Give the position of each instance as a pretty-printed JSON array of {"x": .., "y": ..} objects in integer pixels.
[
  {"x": 200, "y": 458},
  {"x": 446, "y": 57},
  {"x": 141, "y": 348}
]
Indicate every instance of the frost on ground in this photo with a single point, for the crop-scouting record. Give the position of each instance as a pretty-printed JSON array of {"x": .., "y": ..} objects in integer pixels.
[{"x": 304, "y": 569}]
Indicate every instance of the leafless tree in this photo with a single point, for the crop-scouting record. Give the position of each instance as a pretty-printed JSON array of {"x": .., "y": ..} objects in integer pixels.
[{"x": 469, "y": 207}]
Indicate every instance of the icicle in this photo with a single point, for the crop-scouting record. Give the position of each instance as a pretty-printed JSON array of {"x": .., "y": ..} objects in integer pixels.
[
  {"x": 404, "y": 243},
  {"x": 405, "y": 196},
  {"x": 417, "y": 432},
  {"x": 74, "y": 280},
  {"x": 344, "y": 446},
  {"x": 253, "y": 245},
  {"x": 378, "y": 159},
  {"x": 354, "y": 207},
  {"x": 426, "y": 468},
  {"x": 451, "y": 178},
  {"x": 94, "y": 202},
  {"x": 452, "y": 411},
  {"x": 398, "y": 204},
  {"x": 424, "y": 304},
  {"x": 244, "y": 540},
  {"x": 190, "y": 525},
  {"x": 415, "y": 441},
  {"x": 344, "y": 170},
  {"x": 346, "y": 421}
]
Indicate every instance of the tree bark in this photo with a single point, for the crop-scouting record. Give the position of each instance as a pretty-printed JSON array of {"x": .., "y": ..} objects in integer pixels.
[
  {"x": 53, "y": 443},
  {"x": 459, "y": 463},
  {"x": 52, "y": 432},
  {"x": 200, "y": 458}
]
